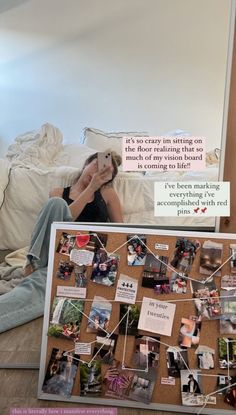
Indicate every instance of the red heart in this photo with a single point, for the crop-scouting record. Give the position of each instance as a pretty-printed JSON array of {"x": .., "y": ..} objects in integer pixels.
[{"x": 82, "y": 240}]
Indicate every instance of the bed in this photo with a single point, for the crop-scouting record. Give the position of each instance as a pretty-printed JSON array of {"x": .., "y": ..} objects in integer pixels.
[{"x": 38, "y": 161}]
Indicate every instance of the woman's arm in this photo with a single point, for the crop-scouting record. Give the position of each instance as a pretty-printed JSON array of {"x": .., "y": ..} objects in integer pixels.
[{"x": 113, "y": 204}]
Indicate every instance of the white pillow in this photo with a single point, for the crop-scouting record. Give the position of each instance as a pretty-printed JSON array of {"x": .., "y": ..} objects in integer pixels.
[
  {"x": 4, "y": 177},
  {"x": 76, "y": 154},
  {"x": 28, "y": 190},
  {"x": 101, "y": 141}
]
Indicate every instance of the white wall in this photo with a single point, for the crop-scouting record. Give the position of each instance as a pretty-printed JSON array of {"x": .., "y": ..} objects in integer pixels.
[{"x": 149, "y": 65}]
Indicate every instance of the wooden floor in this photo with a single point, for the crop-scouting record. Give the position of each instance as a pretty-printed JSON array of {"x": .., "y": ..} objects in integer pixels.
[{"x": 18, "y": 387}]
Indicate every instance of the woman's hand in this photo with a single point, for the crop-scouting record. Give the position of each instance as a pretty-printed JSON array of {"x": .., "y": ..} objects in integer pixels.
[{"x": 99, "y": 178}]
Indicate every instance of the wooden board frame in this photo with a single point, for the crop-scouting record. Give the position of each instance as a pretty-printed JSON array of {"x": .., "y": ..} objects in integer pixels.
[{"x": 166, "y": 398}]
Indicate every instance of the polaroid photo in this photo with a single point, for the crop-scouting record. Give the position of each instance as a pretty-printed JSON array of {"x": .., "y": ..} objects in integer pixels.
[
  {"x": 177, "y": 360},
  {"x": 228, "y": 317},
  {"x": 90, "y": 379},
  {"x": 189, "y": 335},
  {"x": 232, "y": 249},
  {"x": 104, "y": 348},
  {"x": 81, "y": 276},
  {"x": 227, "y": 353},
  {"x": 205, "y": 356},
  {"x": 154, "y": 271},
  {"x": 146, "y": 352},
  {"x": 206, "y": 299},
  {"x": 66, "y": 244},
  {"x": 66, "y": 317},
  {"x": 211, "y": 258},
  {"x": 228, "y": 282},
  {"x": 65, "y": 269},
  {"x": 184, "y": 254},
  {"x": 61, "y": 372},
  {"x": 129, "y": 318},
  {"x": 136, "y": 249},
  {"x": 178, "y": 283},
  {"x": 191, "y": 389},
  {"x": 105, "y": 268},
  {"x": 99, "y": 316}
]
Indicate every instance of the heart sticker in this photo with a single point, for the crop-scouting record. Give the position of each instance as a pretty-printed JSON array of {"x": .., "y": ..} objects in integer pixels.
[{"x": 82, "y": 240}]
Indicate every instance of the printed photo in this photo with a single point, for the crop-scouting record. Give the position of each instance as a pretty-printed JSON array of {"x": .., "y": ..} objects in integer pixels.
[
  {"x": 142, "y": 385},
  {"x": 230, "y": 394},
  {"x": 105, "y": 268},
  {"x": 206, "y": 299},
  {"x": 227, "y": 353},
  {"x": 90, "y": 379},
  {"x": 211, "y": 258},
  {"x": 191, "y": 390},
  {"x": 146, "y": 352},
  {"x": 178, "y": 283},
  {"x": 99, "y": 316},
  {"x": 91, "y": 241},
  {"x": 104, "y": 348},
  {"x": 61, "y": 372},
  {"x": 118, "y": 381},
  {"x": 177, "y": 360},
  {"x": 205, "y": 356},
  {"x": 136, "y": 249},
  {"x": 129, "y": 317},
  {"x": 232, "y": 249},
  {"x": 228, "y": 318},
  {"x": 66, "y": 243},
  {"x": 81, "y": 276},
  {"x": 184, "y": 254},
  {"x": 154, "y": 272},
  {"x": 190, "y": 331},
  {"x": 66, "y": 318},
  {"x": 65, "y": 270},
  {"x": 228, "y": 282}
]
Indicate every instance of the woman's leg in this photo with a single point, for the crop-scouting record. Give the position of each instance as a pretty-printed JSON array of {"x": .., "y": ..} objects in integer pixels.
[
  {"x": 26, "y": 301},
  {"x": 55, "y": 210}
]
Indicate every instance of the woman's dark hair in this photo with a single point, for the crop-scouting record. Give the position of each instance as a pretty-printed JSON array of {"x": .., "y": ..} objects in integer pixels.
[{"x": 116, "y": 162}]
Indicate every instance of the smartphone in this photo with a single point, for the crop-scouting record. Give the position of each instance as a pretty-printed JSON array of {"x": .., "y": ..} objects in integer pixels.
[{"x": 104, "y": 160}]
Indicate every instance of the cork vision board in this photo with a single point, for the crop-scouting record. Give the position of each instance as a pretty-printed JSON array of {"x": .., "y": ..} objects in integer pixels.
[{"x": 141, "y": 318}]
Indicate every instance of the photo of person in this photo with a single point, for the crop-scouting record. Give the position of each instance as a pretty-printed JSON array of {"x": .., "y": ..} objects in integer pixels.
[
  {"x": 177, "y": 360},
  {"x": 190, "y": 331},
  {"x": 190, "y": 388},
  {"x": 206, "y": 299},
  {"x": 81, "y": 276},
  {"x": 65, "y": 270},
  {"x": 61, "y": 372},
  {"x": 184, "y": 254},
  {"x": 66, "y": 317},
  {"x": 229, "y": 394},
  {"x": 105, "y": 268},
  {"x": 154, "y": 272},
  {"x": 99, "y": 315},
  {"x": 146, "y": 352},
  {"x": 136, "y": 249},
  {"x": 178, "y": 283},
  {"x": 66, "y": 243}
]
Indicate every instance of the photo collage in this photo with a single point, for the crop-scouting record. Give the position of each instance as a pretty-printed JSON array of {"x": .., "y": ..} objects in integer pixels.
[{"x": 129, "y": 318}]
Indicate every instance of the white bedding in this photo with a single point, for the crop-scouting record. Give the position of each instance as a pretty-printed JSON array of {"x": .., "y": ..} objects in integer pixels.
[{"x": 31, "y": 175}]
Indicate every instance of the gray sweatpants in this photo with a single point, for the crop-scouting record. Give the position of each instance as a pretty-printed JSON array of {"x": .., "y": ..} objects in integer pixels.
[{"x": 26, "y": 301}]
